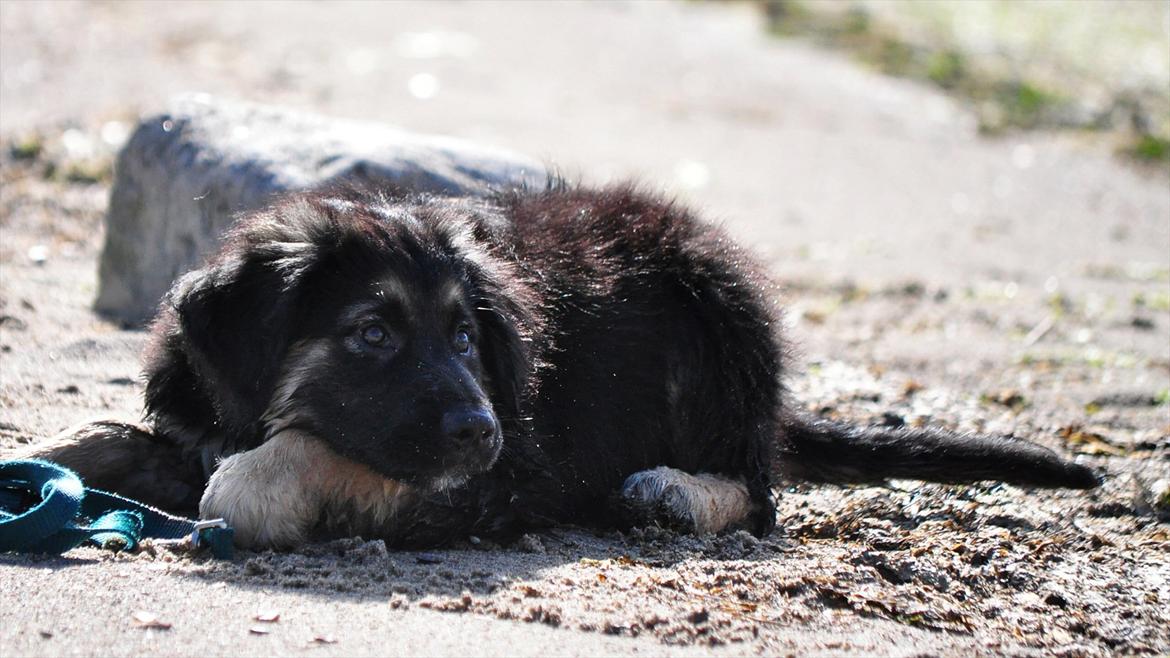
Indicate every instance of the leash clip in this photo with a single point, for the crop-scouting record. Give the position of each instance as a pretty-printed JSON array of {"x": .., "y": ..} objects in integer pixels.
[{"x": 202, "y": 525}]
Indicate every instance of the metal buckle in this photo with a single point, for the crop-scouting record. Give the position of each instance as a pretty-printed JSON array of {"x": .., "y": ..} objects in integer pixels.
[{"x": 206, "y": 524}]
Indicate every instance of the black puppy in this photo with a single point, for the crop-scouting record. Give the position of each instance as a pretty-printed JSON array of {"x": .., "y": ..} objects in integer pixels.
[{"x": 424, "y": 368}]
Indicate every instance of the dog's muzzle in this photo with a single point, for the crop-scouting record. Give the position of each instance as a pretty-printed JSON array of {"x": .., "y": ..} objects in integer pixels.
[{"x": 473, "y": 439}]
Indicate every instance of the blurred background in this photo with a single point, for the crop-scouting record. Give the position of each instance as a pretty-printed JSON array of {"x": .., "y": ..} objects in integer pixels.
[{"x": 976, "y": 192}]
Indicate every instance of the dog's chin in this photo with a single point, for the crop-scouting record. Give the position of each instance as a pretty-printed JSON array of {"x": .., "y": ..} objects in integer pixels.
[
  {"x": 444, "y": 482},
  {"x": 451, "y": 477}
]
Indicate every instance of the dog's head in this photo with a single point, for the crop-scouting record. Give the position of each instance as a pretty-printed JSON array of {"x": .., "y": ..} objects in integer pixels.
[{"x": 389, "y": 329}]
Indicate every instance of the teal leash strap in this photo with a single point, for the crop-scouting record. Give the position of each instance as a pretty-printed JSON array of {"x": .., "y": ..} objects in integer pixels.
[
  {"x": 46, "y": 526},
  {"x": 44, "y": 508},
  {"x": 157, "y": 524}
]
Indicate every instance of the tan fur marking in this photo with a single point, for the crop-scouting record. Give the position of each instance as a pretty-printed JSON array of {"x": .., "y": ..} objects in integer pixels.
[
  {"x": 398, "y": 291},
  {"x": 712, "y": 502},
  {"x": 452, "y": 294},
  {"x": 273, "y": 495},
  {"x": 304, "y": 359}
]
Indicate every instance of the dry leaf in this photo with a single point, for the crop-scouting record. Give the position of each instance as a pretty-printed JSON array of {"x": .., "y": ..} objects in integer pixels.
[
  {"x": 325, "y": 639},
  {"x": 259, "y": 630},
  {"x": 267, "y": 616},
  {"x": 1008, "y": 397},
  {"x": 1088, "y": 442},
  {"x": 144, "y": 619}
]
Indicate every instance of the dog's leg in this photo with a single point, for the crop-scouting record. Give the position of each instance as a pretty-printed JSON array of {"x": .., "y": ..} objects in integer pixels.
[
  {"x": 274, "y": 495},
  {"x": 702, "y": 503},
  {"x": 128, "y": 459},
  {"x": 268, "y": 494}
]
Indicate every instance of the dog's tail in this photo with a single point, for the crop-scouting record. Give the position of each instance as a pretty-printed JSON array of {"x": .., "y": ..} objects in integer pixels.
[{"x": 817, "y": 450}]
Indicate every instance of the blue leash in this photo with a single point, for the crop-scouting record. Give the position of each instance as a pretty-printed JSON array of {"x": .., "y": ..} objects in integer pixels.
[{"x": 44, "y": 508}]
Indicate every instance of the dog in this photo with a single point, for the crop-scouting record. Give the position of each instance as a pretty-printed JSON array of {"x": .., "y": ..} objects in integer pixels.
[{"x": 424, "y": 368}]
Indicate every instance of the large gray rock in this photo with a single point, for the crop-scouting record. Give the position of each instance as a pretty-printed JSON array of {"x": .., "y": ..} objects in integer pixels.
[{"x": 184, "y": 176}]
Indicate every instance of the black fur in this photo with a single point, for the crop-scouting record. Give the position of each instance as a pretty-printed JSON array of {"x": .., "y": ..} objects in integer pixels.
[
  {"x": 826, "y": 451},
  {"x": 614, "y": 332}
]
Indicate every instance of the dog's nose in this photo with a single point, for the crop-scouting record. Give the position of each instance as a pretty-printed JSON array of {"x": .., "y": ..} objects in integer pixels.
[{"x": 468, "y": 426}]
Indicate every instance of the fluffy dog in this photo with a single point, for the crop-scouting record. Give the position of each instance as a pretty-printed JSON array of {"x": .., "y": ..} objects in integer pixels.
[{"x": 424, "y": 368}]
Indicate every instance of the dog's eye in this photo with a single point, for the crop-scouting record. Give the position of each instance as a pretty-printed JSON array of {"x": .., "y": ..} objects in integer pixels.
[
  {"x": 463, "y": 341},
  {"x": 375, "y": 335}
]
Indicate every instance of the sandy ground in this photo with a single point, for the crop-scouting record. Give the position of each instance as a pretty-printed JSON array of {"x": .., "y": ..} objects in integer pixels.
[{"x": 1019, "y": 285}]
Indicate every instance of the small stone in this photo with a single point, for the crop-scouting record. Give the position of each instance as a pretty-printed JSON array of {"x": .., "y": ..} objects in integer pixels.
[
  {"x": 1161, "y": 495},
  {"x": 1142, "y": 322},
  {"x": 531, "y": 544},
  {"x": 1028, "y": 601},
  {"x": 1055, "y": 599},
  {"x": 370, "y": 551},
  {"x": 38, "y": 254}
]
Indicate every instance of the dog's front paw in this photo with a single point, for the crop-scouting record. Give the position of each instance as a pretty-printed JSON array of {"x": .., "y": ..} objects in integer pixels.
[
  {"x": 266, "y": 494},
  {"x": 680, "y": 501}
]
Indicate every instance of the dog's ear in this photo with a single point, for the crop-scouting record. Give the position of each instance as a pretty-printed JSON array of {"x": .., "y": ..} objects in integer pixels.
[
  {"x": 508, "y": 326},
  {"x": 234, "y": 320}
]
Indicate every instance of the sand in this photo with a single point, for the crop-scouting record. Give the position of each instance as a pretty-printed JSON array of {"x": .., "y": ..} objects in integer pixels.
[{"x": 1018, "y": 285}]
